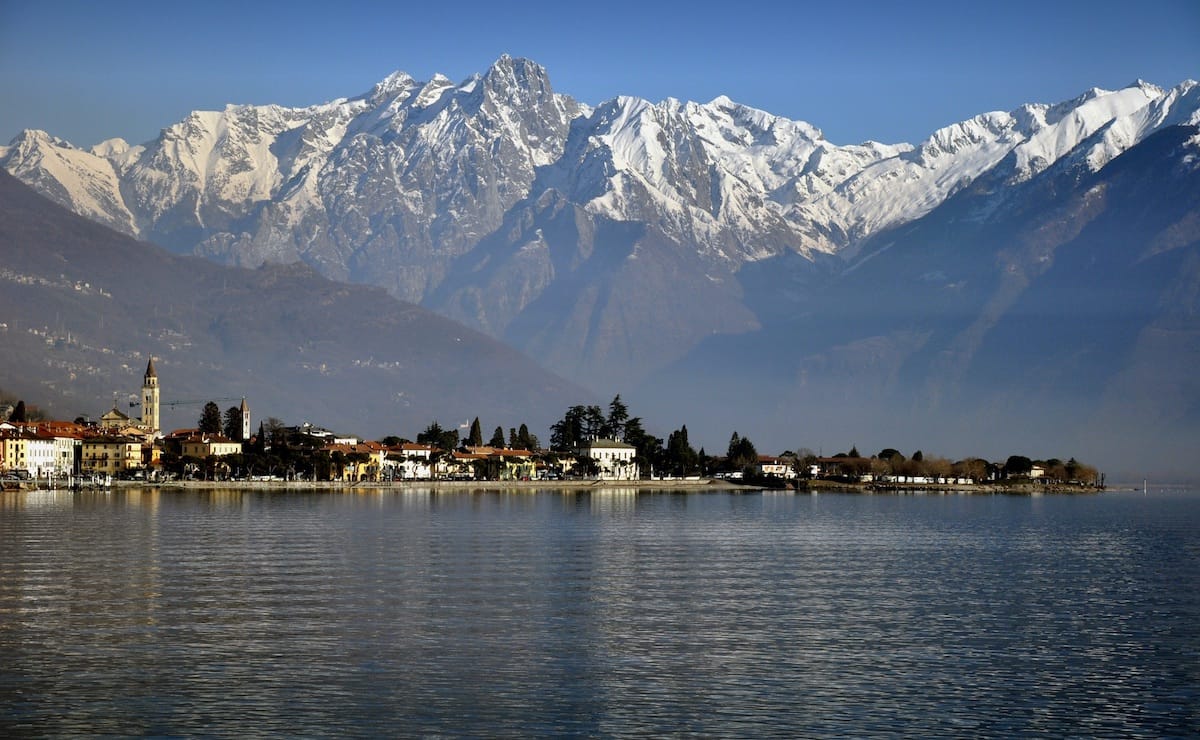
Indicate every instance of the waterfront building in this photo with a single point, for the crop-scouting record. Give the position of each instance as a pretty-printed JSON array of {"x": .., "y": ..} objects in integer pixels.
[
  {"x": 108, "y": 455},
  {"x": 779, "y": 467},
  {"x": 202, "y": 446},
  {"x": 14, "y": 449},
  {"x": 410, "y": 460},
  {"x": 614, "y": 459}
]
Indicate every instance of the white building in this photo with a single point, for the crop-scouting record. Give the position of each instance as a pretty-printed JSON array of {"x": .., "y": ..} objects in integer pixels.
[
  {"x": 43, "y": 455},
  {"x": 28, "y": 451},
  {"x": 614, "y": 459},
  {"x": 410, "y": 461}
]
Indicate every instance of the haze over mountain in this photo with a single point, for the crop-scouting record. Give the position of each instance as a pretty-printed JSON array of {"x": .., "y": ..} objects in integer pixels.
[
  {"x": 717, "y": 261},
  {"x": 84, "y": 306}
]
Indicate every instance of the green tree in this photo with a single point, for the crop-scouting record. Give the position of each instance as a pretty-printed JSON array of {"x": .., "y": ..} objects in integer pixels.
[
  {"x": 18, "y": 414},
  {"x": 442, "y": 439},
  {"x": 567, "y": 433},
  {"x": 497, "y": 439},
  {"x": 741, "y": 452},
  {"x": 525, "y": 440},
  {"x": 1017, "y": 465},
  {"x": 594, "y": 423},
  {"x": 648, "y": 449},
  {"x": 210, "y": 419},
  {"x": 618, "y": 418},
  {"x": 475, "y": 436},
  {"x": 681, "y": 458},
  {"x": 233, "y": 424}
]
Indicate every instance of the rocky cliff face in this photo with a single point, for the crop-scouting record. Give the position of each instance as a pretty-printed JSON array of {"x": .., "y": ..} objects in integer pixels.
[{"x": 606, "y": 242}]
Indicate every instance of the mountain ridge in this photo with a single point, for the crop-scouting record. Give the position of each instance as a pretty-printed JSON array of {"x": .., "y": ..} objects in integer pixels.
[
  {"x": 621, "y": 244},
  {"x": 85, "y": 306}
]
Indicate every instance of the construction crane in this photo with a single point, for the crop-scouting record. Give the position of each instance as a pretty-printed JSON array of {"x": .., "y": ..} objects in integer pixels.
[{"x": 192, "y": 401}]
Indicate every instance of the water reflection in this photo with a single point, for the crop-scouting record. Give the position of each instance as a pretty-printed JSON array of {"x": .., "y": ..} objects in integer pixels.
[{"x": 596, "y": 613}]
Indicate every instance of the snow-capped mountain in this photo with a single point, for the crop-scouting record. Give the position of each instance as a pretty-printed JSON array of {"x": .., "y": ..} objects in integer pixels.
[{"x": 606, "y": 241}]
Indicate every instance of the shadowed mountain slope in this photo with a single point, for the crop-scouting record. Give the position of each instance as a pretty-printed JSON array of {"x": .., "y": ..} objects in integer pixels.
[
  {"x": 83, "y": 307},
  {"x": 1064, "y": 320}
]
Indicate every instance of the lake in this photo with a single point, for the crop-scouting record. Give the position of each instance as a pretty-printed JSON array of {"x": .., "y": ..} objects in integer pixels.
[{"x": 602, "y": 613}]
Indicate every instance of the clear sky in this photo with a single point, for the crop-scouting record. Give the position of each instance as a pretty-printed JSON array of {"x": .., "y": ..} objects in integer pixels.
[{"x": 894, "y": 71}]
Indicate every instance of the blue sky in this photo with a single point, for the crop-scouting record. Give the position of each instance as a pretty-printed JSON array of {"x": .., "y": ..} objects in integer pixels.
[{"x": 87, "y": 71}]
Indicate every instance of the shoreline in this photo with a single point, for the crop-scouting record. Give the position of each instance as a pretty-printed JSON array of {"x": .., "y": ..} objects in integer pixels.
[
  {"x": 700, "y": 485},
  {"x": 709, "y": 484},
  {"x": 1014, "y": 489}
]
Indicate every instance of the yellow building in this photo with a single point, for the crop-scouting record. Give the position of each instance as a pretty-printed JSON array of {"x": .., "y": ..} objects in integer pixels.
[
  {"x": 202, "y": 446},
  {"x": 110, "y": 455},
  {"x": 14, "y": 451}
]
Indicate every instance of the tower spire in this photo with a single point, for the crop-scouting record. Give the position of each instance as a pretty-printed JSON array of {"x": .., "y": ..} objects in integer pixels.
[{"x": 150, "y": 398}]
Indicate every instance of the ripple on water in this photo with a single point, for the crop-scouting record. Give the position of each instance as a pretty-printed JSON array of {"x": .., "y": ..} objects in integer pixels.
[{"x": 595, "y": 614}]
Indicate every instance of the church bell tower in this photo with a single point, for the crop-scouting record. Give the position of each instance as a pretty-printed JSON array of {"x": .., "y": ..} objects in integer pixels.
[
  {"x": 150, "y": 398},
  {"x": 245, "y": 409}
]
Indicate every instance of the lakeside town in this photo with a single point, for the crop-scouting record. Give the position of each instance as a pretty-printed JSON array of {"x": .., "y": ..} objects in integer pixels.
[{"x": 587, "y": 446}]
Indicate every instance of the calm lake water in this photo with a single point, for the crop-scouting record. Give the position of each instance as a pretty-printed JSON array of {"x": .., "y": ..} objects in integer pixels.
[{"x": 599, "y": 614}]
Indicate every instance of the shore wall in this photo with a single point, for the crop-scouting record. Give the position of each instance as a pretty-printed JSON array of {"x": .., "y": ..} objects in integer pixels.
[
  {"x": 697, "y": 486},
  {"x": 704, "y": 484}
]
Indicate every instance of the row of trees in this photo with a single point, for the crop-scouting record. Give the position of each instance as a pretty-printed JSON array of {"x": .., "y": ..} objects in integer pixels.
[
  {"x": 891, "y": 462},
  {"x": 229, "y": 426},
  {"x": 579, "y": 424},
  {"x": 677, "y": 457}
]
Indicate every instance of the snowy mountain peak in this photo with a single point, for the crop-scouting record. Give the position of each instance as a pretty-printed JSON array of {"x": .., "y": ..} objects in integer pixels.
[
  {"x": 516, "y": 73},
  {"x": 110, "y": 148},
  {"x": 32, "y": 138},
  {"x": 402, "y": 186},
  {"x": 432, "y": 91},
  {"x": 1149, "y": 87},
  {"x": 390, "y": 86}
]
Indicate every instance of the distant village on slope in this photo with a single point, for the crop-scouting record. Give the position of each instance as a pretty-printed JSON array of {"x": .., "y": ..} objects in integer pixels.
[{"x": 586, "y": 444}]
